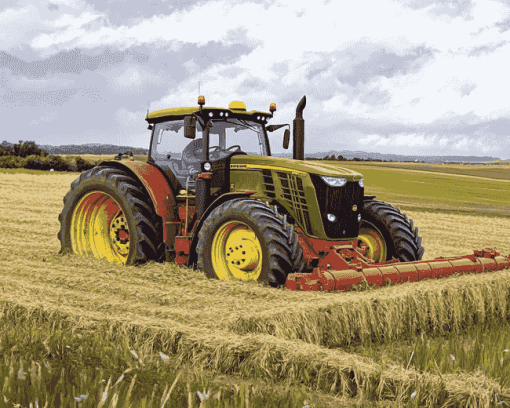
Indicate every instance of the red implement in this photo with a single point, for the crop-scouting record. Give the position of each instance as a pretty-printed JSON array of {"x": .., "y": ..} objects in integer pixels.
[{"x": 358, "y": 269}]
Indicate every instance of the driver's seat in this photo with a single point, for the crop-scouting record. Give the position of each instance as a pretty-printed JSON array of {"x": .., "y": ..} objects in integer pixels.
[{"x": 192, "y": 154}]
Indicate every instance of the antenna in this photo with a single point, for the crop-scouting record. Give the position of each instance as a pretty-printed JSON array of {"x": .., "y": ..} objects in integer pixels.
[
  {"x": 148, "y": 106},
  {"x": 199, "y": 87}
]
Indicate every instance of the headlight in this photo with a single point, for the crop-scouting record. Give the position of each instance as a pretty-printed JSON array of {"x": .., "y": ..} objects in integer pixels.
[
  {"x": 331, "y": 217},
  {"x": 361, "y": 183},
  {"x": 334, "y": 181},
  {"x": 207, "y": 166}
]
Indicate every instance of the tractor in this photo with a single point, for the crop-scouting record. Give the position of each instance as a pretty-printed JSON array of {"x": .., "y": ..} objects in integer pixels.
[{"x": 211, "y": 196}]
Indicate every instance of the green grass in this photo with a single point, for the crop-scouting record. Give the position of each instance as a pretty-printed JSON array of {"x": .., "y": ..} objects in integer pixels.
[
  {"x": 484, "y": 350},
  {"x": 46, "y": 360},
  {"x": 487, "y": 171},
  {"x": 433, "y": 191}
]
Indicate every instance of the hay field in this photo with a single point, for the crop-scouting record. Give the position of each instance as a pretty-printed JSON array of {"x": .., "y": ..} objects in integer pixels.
[{"x": 244, "y": 330}]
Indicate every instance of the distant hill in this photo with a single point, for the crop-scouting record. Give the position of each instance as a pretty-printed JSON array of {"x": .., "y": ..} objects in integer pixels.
[
  {"x": 90, "y": 148},
  {"x": 97, "y": 148},
  {"x": 349, "y": 155}
]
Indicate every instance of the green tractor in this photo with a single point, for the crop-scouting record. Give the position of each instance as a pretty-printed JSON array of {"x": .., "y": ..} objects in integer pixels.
[{"x": 211, "y": 195}]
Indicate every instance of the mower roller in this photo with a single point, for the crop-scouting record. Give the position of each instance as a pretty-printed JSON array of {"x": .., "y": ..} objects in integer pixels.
[{"x": 224, "y": 205}]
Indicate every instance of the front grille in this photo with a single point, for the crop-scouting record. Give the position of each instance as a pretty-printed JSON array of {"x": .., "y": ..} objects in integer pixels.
[
  {"x": 268, "y": 184},
  {"x": 339, "y": 202},
  {"x": 294, "y": 193}
]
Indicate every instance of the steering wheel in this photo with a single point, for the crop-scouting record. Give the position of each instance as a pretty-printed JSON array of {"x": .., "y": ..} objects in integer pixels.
[
  {"x": 238, "y": 148},
  {"x": 216, "y": 148}
]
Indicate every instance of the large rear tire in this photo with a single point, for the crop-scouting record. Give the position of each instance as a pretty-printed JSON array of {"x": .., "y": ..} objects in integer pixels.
[
  {"x": 389, "y": 233},
  {"x": 108, "y": 215},
  {"x": 246, "y": 239}
]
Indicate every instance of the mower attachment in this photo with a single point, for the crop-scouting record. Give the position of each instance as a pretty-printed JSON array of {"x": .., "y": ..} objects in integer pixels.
[{"x": 381, "y": 274}]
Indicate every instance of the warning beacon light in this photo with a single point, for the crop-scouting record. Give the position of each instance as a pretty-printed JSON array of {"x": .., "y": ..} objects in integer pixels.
[
  {"x": 201, "y": 100},
  {"x": 272, "y": 107}
]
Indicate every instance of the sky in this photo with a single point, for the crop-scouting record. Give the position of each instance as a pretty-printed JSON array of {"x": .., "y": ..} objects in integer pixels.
[{"x": 414, "y": 77}]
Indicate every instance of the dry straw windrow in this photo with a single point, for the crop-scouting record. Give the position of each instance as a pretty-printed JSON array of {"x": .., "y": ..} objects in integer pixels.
[
  {"x": 278, "y": 360},
  {"x": 437, "y": 307}
]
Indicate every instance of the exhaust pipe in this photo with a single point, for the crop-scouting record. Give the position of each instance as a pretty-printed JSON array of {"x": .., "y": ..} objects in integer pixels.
[{"x": 299, "y": 131}]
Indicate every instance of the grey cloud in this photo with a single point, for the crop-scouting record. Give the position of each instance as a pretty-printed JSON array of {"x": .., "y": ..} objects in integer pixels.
[
  {"x": 503, "y": 25},
  {"x": 451, "y": 8},
  {"x": 70, "y": 62},
  {"x": 120, "y": 11},
  {"x": 5, "y": 4},
  {"x": 383, "y": 63},
  {"x": 52, "y": 7},
  {"x": 487, "y": 49},
  {"x": 346, "y": 132},
  {"x": 251, "y": 84},
  {"x": 315, "y": 72}
]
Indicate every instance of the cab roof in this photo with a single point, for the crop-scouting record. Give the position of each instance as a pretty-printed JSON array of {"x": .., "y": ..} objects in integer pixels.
[{"x": 164, "y": 115}]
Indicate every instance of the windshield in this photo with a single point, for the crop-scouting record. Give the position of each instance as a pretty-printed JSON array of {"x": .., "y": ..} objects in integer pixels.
[{"x": 224, "y": 137}]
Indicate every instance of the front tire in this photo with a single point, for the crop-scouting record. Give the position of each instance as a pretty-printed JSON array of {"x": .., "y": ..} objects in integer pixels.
[
  {"x": 389, "y": 233},
  {"x": 108, "y": 215},
  {"x": 246, "y": 239}
]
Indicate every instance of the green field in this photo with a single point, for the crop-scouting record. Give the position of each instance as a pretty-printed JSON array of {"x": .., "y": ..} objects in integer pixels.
[
  {"x": 72, "y": 326},
  {"x": 454, "y": 189}
]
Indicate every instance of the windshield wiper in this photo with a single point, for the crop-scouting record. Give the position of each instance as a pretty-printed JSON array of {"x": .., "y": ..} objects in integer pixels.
[{"x": 241, "y": 123}]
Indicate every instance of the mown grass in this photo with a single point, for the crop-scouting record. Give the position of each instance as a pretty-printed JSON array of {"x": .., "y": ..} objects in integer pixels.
[{"x": 228, "y": 332}]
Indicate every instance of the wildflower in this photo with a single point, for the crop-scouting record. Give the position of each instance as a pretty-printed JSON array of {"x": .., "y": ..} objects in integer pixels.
[
  {"x": 164, "y": 356},
  {"x": 506, "y": 350},
  {"x": 81, "y": 398},
  {"x": 68, "y": 347},
  {"x": 20, "y": 374},
  {"x": 134, "y": 354},
  {"x": 164, "y": 402},
  {"x": 120, "y": 379},
  {"x": 413, "y": 395},
  {"x": 104, "y": 396},
  {"x": 453, "y": 358},
  {"x": 500, "y": 402},
  {"x": 203, "y": 397}
]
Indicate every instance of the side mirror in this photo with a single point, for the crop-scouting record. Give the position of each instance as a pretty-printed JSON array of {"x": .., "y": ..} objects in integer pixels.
[
  {"x": 272, "y": 128},
  {"x": 286, "y": 138},
  {"x": 189, "y": 127}
]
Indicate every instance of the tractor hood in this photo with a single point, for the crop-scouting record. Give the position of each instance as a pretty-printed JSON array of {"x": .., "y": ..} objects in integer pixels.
[{"x": 299, "y": 166}]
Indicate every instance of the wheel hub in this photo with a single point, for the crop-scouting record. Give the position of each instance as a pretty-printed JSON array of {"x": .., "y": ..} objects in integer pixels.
[
  {"x": 370, "y": 235},
  {"x": 119, "y": 235},
  {"x": 236, "y": 252}
]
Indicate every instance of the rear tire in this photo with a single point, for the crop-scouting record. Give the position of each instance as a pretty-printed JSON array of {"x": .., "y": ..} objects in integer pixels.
[
  {"x": 389, "y": 233},
  {"x": 246, "y": 239},
  {"x": 108, "y": 215}
]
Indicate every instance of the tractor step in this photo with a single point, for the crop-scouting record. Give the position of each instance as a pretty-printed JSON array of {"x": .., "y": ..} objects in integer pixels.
[{"x": 321, "y": 279}]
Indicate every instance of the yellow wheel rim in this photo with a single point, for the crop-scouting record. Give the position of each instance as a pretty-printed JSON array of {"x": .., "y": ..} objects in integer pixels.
[
  {"x": 236, "y": 252},
  {"x": 370, "y": 235},
  {"x": 99, "y": 228}
]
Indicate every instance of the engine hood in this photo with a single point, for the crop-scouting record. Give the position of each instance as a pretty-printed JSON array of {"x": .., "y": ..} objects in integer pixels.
[{"x": 299, "y": 166}]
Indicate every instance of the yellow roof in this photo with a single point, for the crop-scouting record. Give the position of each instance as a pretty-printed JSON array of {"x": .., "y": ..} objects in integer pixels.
[{"x": 177, "y": 113}]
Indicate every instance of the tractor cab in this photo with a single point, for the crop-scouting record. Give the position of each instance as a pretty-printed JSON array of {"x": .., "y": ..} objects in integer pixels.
[{"x": 180, "y": 135}]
